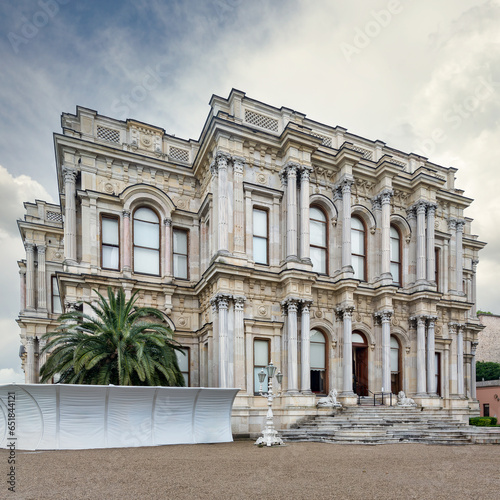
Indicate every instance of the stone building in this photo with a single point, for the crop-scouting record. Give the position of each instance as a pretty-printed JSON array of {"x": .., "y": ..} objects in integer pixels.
[
  {"x": 488, "y": 347},
  {"x": 346, "y": 262}
]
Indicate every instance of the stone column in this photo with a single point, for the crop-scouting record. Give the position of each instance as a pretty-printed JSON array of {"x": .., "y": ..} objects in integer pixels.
[
  {"x": 421, "y": 259},
  {"x": 219, "y": 168},
  {"x": 30, "y": 276},
  {"x": 421, "y": 356},
  {"x": 346, "y": 314},
  {"x": 460, "y": 360},
  {"x": 42, "y": 284},
  {"x": 385, "y": 318},
  {"x": 345, "y": 186},
  {"x": 293, "y": 383},
  {"x": 22, "y": 287},
  {"x": 431, "y": 356},
  {"x": 452, "y": 257},
  {"x": 431, "y": 254},
  {"x": 305, "y": 353},
  {"x": 30, "y": 360},
  {"x": 473, "y": 370},
  {"x": 446, "y": 371},
  {"x": 304, "y": 215},
  {"x": 412, "y": 260},
  {"x": 70, "y": 214},
  {"x": 377, "y": 250},
  {"x": 475, "y": 262},
  {"x": 385, "y": 198},
  {"x": 239, "y": 342},
  {"x": 127, "y": 242},
  {"x": 289, "y": 172},
  {"x": 223, "y": 304},
  {"x": 460, "y": 251},
  {"x": 239, "y": 209},
  {"x": 168, "y": 247}
]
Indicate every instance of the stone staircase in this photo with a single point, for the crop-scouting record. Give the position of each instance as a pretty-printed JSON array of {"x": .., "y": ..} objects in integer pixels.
[{"x": 386, "y": 425}]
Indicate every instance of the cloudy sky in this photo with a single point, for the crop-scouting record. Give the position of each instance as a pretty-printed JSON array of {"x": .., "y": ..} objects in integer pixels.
[{"x": 422, "y": 76}]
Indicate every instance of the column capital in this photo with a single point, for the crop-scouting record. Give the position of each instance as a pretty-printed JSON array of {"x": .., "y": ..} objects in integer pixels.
[
  {"x": 452, "y": 224},
  {"x": 411, "y": 213},
  {"x": 126, "y": 213},
  {"x": 306, "y": 305},
  {"x": 220, "y": 161},
  {"x": 376, "y": 203},
  {"x": 460, "y": 223},
  {"x": 431, "y": 320},
  {"x": 343, "y": 312},
  {"x": 384, "y": 316},
  {"x": 290, "y": 304},
  {"x": 238, "y": 164},
  {"x": 305, "y": 172},
  {"x": 167, "y": 222},
  {"x": 419, "y": 319},
  {"x": 30, "y": 247},
  {"x": 220, "y": 301},
  {"x": 239, "y": 302},
  {"x": 431, "y": 209},
  {"x": 290, "y": 170},
  {"x": 69, "y": 174},
  {"x": 385, "y": 196},
  {"x": 30, "y": 340},
  {"x": 420, "y": 207},
  {"x": 40, "y": 248},
  {"x": 473, "y": 347}
]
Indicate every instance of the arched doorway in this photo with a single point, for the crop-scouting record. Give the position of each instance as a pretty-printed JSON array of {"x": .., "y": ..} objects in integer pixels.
[
  {"x": 359, "y": 364},
  {"x": 318, "y": 362},
  {"x": 395, "y": 365}
]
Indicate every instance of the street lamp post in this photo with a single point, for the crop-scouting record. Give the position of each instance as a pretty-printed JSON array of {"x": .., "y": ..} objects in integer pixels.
[{"x": 269, "y": 434}]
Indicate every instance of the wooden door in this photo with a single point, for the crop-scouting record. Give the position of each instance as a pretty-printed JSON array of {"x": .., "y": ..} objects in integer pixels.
[{"x": 361, "y": 370}]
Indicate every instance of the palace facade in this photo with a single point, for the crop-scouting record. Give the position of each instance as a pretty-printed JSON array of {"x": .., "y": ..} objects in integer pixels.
[{"x": 348, "y": 263}]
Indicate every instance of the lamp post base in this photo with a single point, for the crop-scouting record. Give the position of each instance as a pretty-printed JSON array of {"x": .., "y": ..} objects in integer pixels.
[{"x": 269, "y": 437}]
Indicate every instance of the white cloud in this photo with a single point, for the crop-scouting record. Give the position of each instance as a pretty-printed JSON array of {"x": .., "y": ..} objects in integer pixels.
[{"x": 8, "y": 375}]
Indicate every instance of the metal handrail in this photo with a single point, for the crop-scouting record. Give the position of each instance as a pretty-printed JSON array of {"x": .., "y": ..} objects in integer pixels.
[{"x": 375, "y": 394}]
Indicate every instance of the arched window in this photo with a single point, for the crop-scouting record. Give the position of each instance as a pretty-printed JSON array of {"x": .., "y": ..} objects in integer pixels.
[
  {"x": 395, "y": 366},
  {"x": 318, "y": 238},
  {"x": 395, "y": 255},
  {"x": 318, "y": 362},
  {"x": 146, "y": 241},
  {"x": 358, "y": 244}
]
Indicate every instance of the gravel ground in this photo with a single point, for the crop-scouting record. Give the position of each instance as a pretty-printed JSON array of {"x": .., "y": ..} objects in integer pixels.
[{"x": 242, "y": 470}]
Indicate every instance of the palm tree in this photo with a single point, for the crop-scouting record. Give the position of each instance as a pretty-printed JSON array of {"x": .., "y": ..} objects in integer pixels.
[{"x": 117, "y": 345}]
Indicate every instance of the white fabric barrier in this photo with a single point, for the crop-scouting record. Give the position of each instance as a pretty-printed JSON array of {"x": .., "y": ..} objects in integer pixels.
[{"x": 75, "y": 417}]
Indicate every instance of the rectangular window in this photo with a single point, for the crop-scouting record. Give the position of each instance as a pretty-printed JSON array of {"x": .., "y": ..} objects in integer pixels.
[
  {"x": 486, "y": 410},
  {"x": 110, "y": 243},
  {"x": 260, "y": 230},
  {"x": 260, "y": 361},
  {"x": 180, "y": 253},
  {"x": 56, "y": 297},
  {"x": 183, "y": 360}
]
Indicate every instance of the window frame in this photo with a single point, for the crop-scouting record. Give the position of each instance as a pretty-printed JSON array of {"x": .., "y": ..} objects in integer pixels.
[
  {"x": 400, "y": 250},
  {"x": 134, "y": 246},
  {"x": 188, "y": 354},
  {"x": 184, "y": 230},
  {"x": 325, "y": 344},
  {"x": 52, "y": 295},
  {"x": 266, "y": 211},
  {"x": 365, "y": 268},
  {"x": 327, "y": 237},
  {"x": 255, "y": 381},
  {"x": 117, "y": 219}
]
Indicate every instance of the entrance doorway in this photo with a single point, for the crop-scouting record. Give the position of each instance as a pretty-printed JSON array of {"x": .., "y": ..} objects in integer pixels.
[
  {"x": 359, "y": 364},
  {"x": 395, "y": 365}
]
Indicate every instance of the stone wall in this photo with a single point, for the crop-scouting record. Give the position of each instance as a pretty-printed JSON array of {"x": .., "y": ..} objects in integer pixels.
[{"x": 488, "y": 348}]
